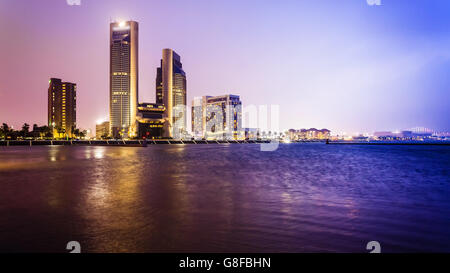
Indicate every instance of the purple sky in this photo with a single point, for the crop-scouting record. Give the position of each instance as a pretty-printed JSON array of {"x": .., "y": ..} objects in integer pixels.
[{"x": 343, "y": 65}]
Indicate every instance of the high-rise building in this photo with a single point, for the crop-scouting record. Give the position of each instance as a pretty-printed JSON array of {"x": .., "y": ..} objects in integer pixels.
[
  {"x": 62, "y": 104},
  {"x": 171, "y": 91},
  {"x": 123, "y": 78},
  {"x": 217, "y": 117}
]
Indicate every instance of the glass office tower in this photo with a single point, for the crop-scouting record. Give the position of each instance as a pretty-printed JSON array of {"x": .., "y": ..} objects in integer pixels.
[
  {"x": 123, "y": 78},
  {"x": 171, "y": 91},
  {"x": 62, "y": 104}
]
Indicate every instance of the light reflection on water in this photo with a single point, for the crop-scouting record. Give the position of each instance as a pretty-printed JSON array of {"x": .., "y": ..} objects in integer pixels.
[{"x": 221, "y": 198}]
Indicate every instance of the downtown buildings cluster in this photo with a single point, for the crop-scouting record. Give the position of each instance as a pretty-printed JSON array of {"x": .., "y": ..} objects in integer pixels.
[{"x": 212, "y": 117}]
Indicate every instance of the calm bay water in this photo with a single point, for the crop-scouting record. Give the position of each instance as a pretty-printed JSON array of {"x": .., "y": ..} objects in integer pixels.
[{"x": 225, "y": 198}]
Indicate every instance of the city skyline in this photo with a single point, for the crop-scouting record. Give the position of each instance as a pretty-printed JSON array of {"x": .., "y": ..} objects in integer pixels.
[{"x": 361, "y": 96}]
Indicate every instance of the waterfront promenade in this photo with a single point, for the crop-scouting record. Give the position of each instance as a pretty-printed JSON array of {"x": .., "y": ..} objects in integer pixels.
[
  {"x": 121, "y": 142},
  {"x": 143, "y": 143}
]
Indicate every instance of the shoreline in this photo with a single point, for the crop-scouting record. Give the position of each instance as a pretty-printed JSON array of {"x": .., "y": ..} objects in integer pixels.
[
  {"x": 128, "y": 143},
  {"x": 143, "y": 143}
]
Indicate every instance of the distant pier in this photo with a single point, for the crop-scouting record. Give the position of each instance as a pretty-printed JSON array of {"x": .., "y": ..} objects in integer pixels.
[{"x": 440, "y": 143}]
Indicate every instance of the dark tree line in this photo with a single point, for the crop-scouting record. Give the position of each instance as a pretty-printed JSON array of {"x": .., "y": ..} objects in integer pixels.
[{"x": 45, "y": 132}]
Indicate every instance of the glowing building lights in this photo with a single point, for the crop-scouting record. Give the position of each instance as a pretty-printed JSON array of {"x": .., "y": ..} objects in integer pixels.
[{"x": 62, "y": 107}]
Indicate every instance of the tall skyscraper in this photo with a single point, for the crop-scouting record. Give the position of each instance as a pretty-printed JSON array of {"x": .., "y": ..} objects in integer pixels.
[
  {"x": 62, "y": 104},
  {"x": 123, "y": 78},
  {"x": 171, "y": 90},
  {"x": 217, "y": 117}
]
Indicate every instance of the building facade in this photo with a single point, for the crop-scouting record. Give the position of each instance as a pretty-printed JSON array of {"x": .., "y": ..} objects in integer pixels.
[
  {"x": 217, "y": 117},
  {"x": 402, "y": 135},
  {"x": 102, "y": 130},
  {"x": 171, "y": 91},
  {"x": 62, "y": 104},
  {"x": 159, "y": 85},
  {"x": 150, "y": 121},
  {"x": 198, "y": 117},
  {"x": 251, "y": 133},
  {"x": 123, "y": 78},
  {"x": 309, "y": 134}
]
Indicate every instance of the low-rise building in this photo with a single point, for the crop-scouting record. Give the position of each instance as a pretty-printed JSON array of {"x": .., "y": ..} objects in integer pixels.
[
  {"x": 308, "y": 134},
  {"x": 150, "y": 121},
  {"x": 251, "y": 133},
  {"x": 102, "y": 130}
]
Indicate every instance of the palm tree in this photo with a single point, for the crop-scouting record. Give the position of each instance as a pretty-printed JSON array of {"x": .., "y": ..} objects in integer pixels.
[
  {"x": 76, "y": 132},
  {"x": 25, "y": 130},
  {"x": 5, "y": 130},
  {"x": 60, "y": 130},
  {"x": 35, "y": 132},
  {"x": 46, "y": 131}
]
